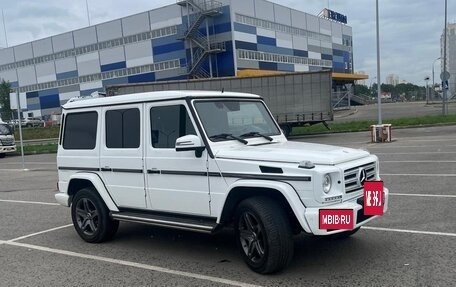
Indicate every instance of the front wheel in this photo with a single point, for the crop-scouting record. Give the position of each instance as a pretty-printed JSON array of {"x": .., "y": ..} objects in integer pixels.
[
  {"x": 91, "y": 217},
  {"x": 263, "y": 235}
]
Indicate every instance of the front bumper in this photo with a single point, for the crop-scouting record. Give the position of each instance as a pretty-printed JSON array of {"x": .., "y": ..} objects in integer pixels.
[
  {"x": 7, "y": 148},
  {"x": 312, "y": 214},
  {"x": 63, "y": 199}
]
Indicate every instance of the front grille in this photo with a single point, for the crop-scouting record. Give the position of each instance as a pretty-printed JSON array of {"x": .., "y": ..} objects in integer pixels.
[
  {"x": 351, "y": 176},
  {"x": 7, "y": 141}
]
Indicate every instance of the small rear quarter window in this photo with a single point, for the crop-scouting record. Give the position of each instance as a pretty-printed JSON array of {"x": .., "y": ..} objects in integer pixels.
[{"x": 80, "y": 130}]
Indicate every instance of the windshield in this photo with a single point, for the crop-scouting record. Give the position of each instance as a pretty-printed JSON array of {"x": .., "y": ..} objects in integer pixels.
[
  {"x": 231, "y": 119},
  {"x": 5, "y": 130}
]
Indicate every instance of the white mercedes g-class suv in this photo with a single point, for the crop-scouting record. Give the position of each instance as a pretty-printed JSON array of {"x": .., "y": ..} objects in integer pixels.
[{"x": 200, "y": 161}]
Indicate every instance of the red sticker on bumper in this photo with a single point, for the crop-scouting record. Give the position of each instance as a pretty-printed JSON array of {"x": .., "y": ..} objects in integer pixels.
[
  {"x": 373, "y": 198},
  {"x": 336, "y": 219}
]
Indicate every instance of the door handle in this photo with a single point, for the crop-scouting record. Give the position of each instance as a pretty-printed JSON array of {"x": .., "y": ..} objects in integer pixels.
[
  {"x": 153, "y": 171},
  {"x": 106, "y": 168}
]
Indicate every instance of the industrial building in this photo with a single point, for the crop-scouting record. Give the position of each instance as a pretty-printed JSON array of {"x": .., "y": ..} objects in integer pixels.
[{"x": 188, "y": 39}]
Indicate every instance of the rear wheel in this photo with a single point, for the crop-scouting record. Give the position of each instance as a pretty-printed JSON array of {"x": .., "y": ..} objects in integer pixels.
[
  {"x": 91, "y": 217},
  {"x": 263, "y": 235}
]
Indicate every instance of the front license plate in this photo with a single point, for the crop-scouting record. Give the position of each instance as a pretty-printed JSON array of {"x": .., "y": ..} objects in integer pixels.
[
  {"x": 373, "y": 198},
  {"x": 336, "y": 219}
]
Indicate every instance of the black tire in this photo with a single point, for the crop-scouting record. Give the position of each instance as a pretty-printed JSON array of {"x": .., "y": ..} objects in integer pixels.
[
  {"x": 343, "y": 235},
  {"x": 263, "y": 235},
  {"x": 2, "y": 155},
  {"x": 91, "y": 218}
]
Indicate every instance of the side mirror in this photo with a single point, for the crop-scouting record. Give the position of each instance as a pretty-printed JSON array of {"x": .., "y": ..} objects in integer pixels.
[{"x": 190, "y": 142}]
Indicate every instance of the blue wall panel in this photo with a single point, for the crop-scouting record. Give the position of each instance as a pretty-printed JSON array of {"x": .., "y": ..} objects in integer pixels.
[
  {"x": 285, "y": 67},
  {"x": 113, "y": 66},
  {"x": 148, "y": 77},
  {"x": 48, "y": 92},
  {"x": 300, "y": 53},
  {"x": 169, "y": 56},
  {"x": 30, "y": 95},
  {"x": 50, "y": 101},
  {"x": 244, "y": 28},
  {"x": 115, "y": 81},
  {"x": 246, "y": 45},
  {"x": 176, "y": 46},
  {"x": 326, "y": 57},
  {"x": 266, "y": 41},
  {"x": 224, "y": 62},
  {"x": 31, "y": 107},
  {"x": 67, "y": 75},
  {"x": 267, "y": 66}
]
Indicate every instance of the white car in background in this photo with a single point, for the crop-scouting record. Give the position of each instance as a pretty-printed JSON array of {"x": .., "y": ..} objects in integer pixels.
[{"x": 7, "y": 143}]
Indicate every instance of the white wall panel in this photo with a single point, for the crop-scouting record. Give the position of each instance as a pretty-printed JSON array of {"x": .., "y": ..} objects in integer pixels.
[
  {"x": 26, "y": 76},
  {"x": 301, "y": 68},
  {"x": 23, "y": 51},
  {"x": 244, "y": 7},
  {"x": 45, "y": 72},
  {"x": 88, "y": 64},
  {"x": 9, "y": 75},
  {"x": 246, "y": 37},
  {"x": 139, "y": 54},
  {"x": 135, "y": 24},
  {"x": 264, "y": 10},
  {"x": 284, "y": 40},
  {"x": 313, "y": 55},
  {"x": 313, "y": 23},
  {"x": 109, "y": 30},
  {"x": 298, "y": 19},
  {"x": 91, "y": 85},
  {"x": 42, "y": 47},
  {"x": 65, "y": 65},
  {"x": 299, "y": 43},
  {"x": 314, "y": 42},
  {"x": 6, "y": 56},
  {"x": 85, "y": 36},
  {"x": 63, "y": 42},
  {"x": 282, "y": 14},
  {"x": 265, "y": 32},
  {"x": 346, "y": 30},
  {"x": 325, "y": 26},
  {"x": 166, "y": 23},
  {"x": 113, "y": 55}
]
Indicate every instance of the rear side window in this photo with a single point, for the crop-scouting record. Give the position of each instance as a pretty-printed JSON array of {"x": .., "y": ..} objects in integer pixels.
[
  {"x": 122, "y": 128},
  {"x": 80, "y": 130}
]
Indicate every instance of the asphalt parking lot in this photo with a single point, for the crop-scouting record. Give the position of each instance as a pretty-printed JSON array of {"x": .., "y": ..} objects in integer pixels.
[{"x": 412, "y": 245}]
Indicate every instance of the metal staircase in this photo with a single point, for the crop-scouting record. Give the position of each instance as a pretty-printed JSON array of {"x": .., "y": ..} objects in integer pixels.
[{"x": 201, "y": 45}]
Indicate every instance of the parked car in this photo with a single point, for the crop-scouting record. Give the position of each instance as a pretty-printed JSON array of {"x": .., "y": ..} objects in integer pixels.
[
  {"x": 203, "y": 161},
  {"x": 32, "y": 122},
  {"x": 7, "y": 143}
]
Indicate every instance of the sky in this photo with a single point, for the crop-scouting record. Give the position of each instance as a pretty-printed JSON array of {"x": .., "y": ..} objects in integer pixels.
[{"x": 409, "y": 30}]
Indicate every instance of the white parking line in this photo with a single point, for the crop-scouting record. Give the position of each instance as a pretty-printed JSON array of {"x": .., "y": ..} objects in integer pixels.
[
  {"x": 29, "y": 202},
  {"x": 409, "y": 231},
  {"x": 31, "y": 162},
  {"x": 40, "y": 232},
  {"x": 134, "y": 264},
  {"x": 403, "y": 146},
  {"x": 414, "y": 153},
  {"x": 420, "y": 174},
  {"x": 424, "y": 195}
]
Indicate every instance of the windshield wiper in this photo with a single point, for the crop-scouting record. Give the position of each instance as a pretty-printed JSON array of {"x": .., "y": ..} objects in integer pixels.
[
  {"x": 228, "y": 136},
  {"x": 252, "y": 134}
]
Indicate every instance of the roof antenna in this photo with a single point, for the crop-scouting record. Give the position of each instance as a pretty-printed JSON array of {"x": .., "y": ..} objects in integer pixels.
[{"x": 223, "y": 89}]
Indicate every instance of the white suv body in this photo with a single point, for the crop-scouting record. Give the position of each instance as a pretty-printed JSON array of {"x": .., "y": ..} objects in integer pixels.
[{"x": 199, "y": 160}]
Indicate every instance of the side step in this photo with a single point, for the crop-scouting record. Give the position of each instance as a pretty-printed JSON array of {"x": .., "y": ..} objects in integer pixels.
[{"x": 176, "y": 221}]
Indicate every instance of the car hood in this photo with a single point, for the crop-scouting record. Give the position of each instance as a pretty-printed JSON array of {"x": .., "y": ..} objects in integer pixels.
[{"x": 293, "y": 152}]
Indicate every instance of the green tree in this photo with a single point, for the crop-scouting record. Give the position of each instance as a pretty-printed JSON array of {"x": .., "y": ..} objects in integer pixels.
[{"x": 5, "y": 108}]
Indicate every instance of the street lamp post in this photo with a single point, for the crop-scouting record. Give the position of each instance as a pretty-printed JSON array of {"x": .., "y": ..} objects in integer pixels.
[
  {"x": 427, "y": 89},
  {"x": 433, "y": 82},
  {"x": 379, "y": 89},
  {"x": 445, "y": 104}
]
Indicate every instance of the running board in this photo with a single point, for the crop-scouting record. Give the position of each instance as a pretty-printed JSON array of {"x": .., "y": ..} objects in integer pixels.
[{"x": 203, "y": 225}]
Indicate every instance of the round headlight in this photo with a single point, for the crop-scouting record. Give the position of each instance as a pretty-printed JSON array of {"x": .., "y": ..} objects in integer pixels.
[{"x": 326, "y": 183}]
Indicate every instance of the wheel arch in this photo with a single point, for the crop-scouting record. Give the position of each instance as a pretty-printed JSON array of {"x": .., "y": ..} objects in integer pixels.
[
  {"x": 90, "y": 180},
  {"x": 280, "y": 191}
]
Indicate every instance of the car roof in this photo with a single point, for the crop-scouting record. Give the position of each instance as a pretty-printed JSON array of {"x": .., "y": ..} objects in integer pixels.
[{"x": 83, "y": 102}]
